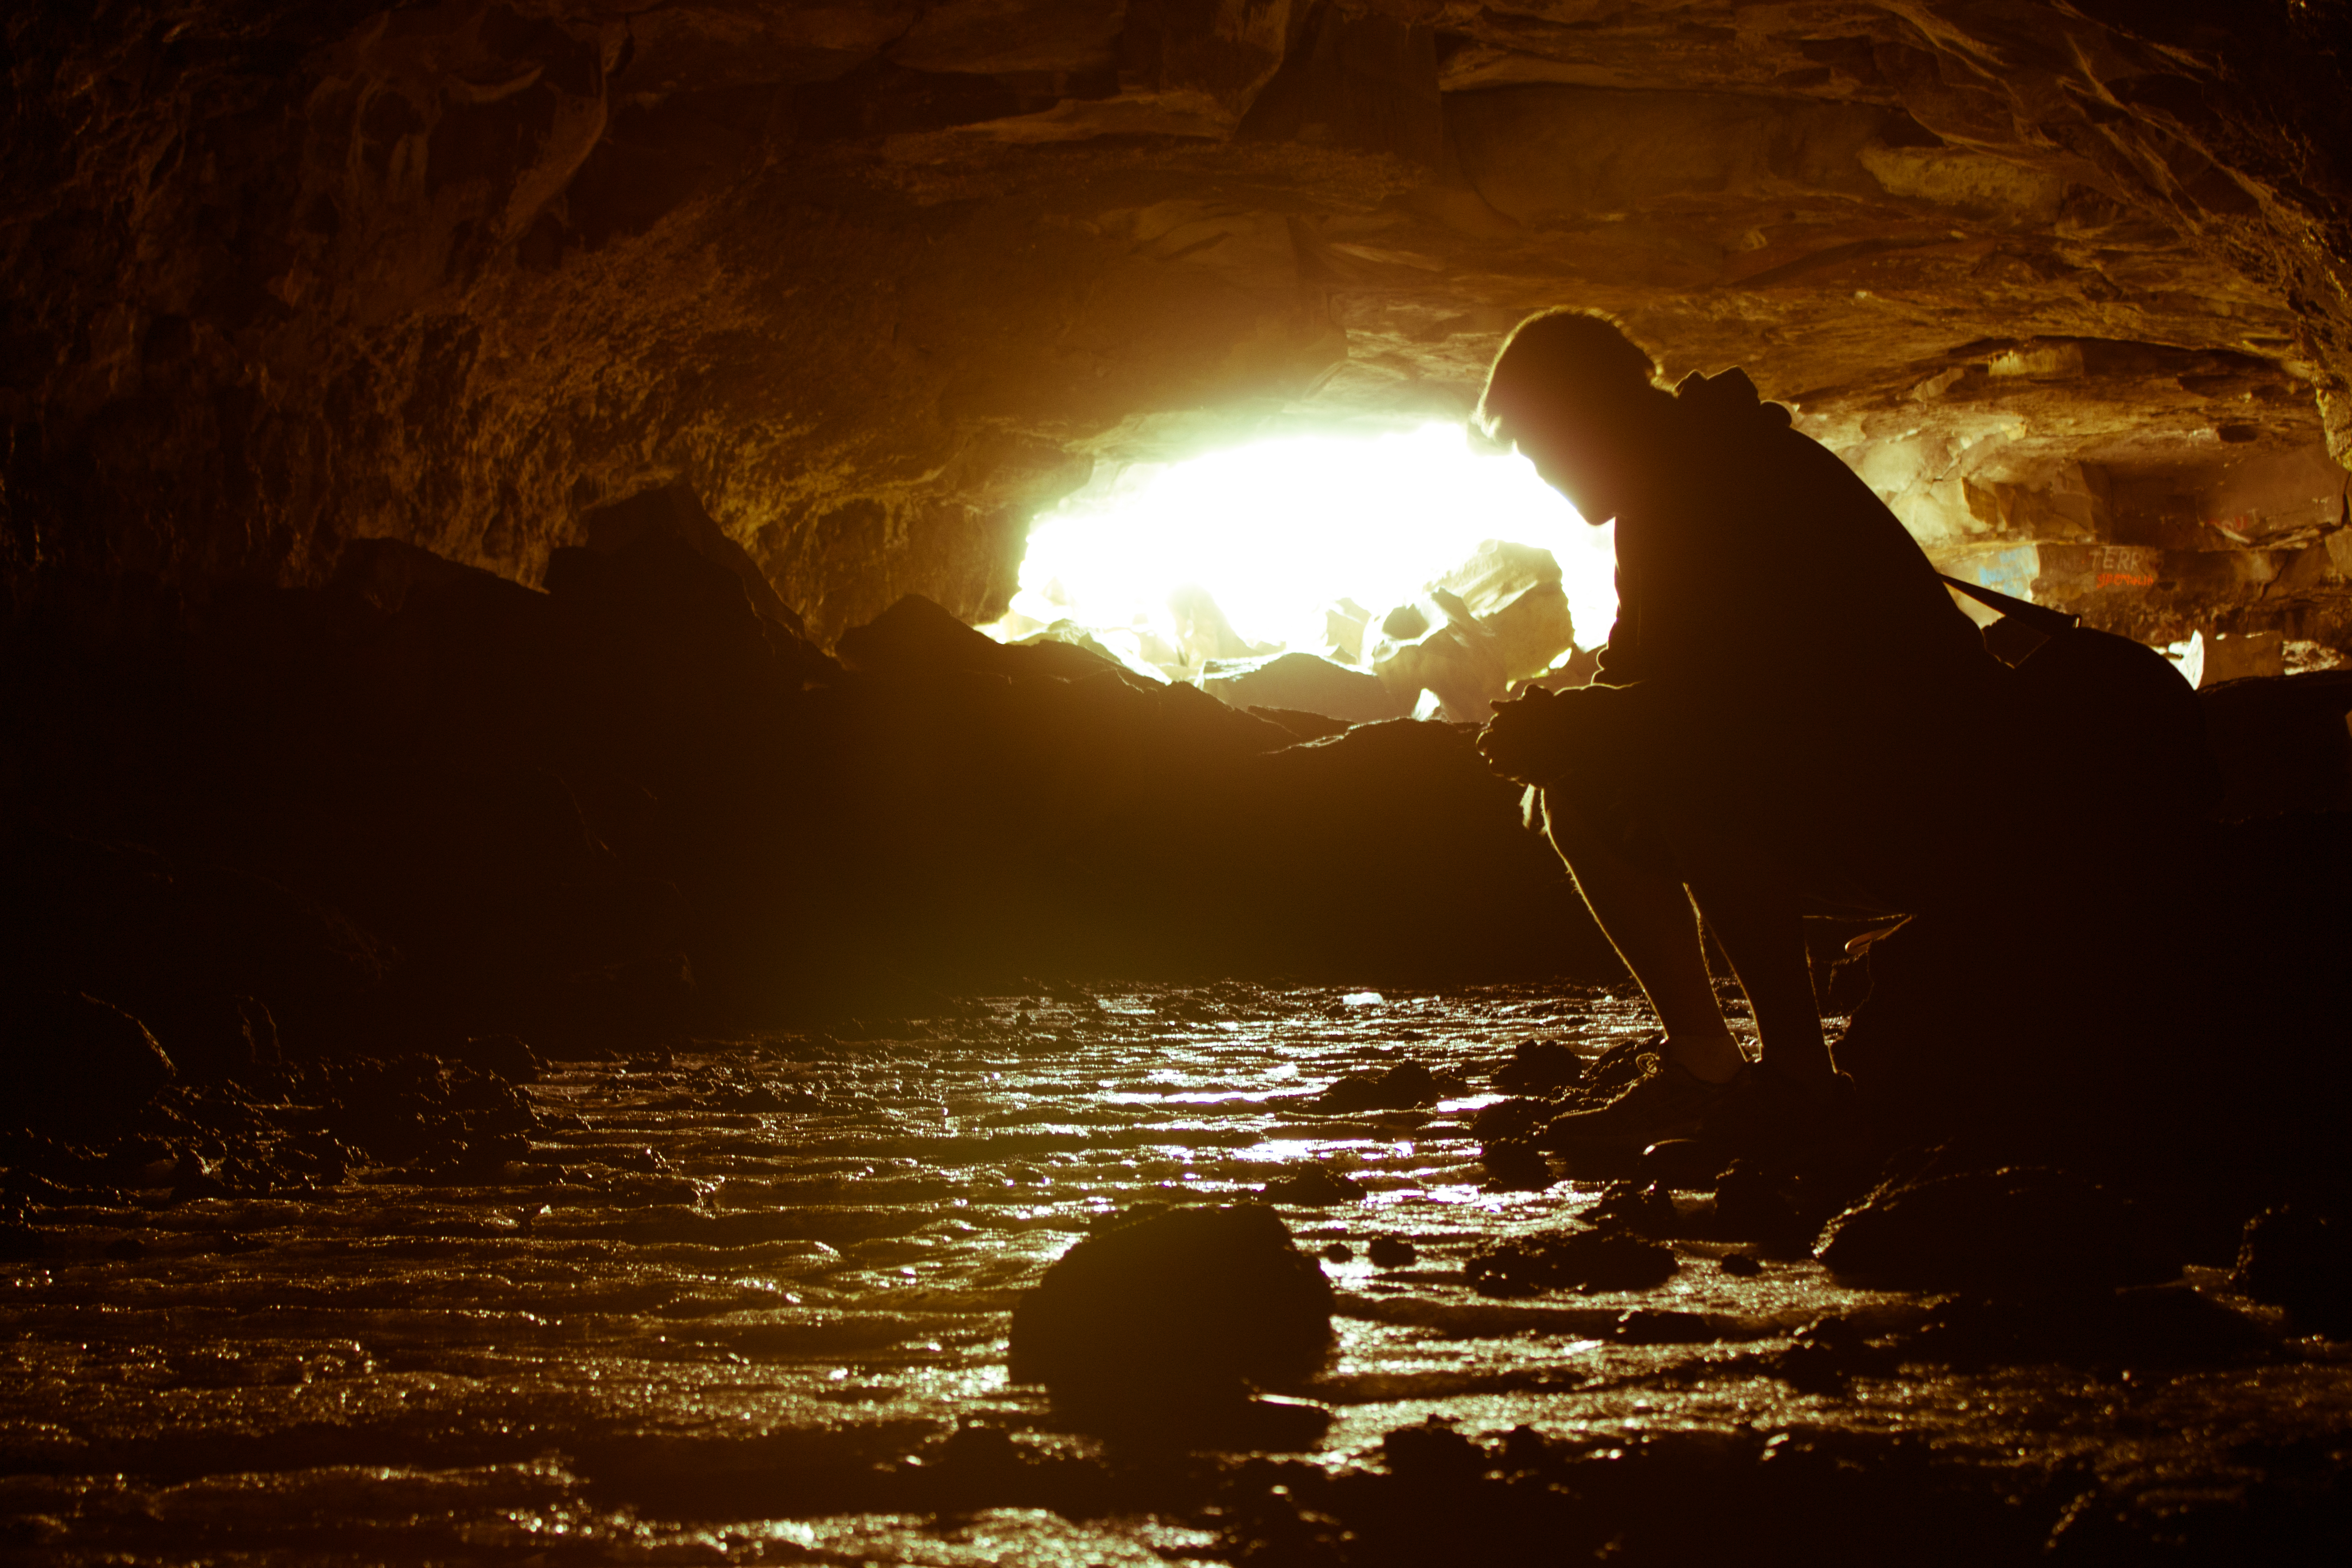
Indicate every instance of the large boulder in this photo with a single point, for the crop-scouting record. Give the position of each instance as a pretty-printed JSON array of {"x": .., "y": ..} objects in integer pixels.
[
  {"x": 917, "y": 639},
  {"x": 2168, "y": 1005},
  {"x": 1515, "y": 592},
  {"x": 1588, "y": 1260},
  {"x": 2282, "y": 744},
  {"x": 1305, "y": 682},
  {"x": 1403, "y": 1087},
  {"x": 2015, "y": 1228},
  {"x": 69, "y": 1056},
  {"x": 676, "y": 512},
  {"x": 658, "y": 614},
  {"x": 1499, "y": 617},
  {"x": 1184, "y": 1307},
  {"x": 1435, "y": 645}
]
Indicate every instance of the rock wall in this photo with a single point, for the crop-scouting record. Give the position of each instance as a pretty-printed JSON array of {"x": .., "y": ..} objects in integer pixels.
[{"x": 879, "y": 279}]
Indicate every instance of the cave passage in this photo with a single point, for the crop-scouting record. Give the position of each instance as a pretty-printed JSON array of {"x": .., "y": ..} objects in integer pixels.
[
  {"x": 574, "y": 1004},
  {"x": 1286, "y": 537}
]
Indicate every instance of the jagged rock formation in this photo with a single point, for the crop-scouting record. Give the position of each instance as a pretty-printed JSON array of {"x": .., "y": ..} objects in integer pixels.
[{"x": 879, "y": 278}]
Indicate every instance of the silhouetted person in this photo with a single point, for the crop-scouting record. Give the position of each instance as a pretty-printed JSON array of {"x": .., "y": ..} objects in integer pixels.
[{"x": 1791, "y": 714}]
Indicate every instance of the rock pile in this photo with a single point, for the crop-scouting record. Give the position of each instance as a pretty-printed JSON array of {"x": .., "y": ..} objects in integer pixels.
[
  {"x": 422, "y": 803},
  {"x": 1589, "y": 1260},
  {"x": 1399, "y": 1088}
]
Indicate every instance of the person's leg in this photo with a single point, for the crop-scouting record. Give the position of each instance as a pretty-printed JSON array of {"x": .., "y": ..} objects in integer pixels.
[
  {"x": 1763, "y": 936},
  {"x": 1646, "y": 914}
]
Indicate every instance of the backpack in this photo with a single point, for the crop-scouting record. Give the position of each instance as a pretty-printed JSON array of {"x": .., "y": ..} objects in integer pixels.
[{"x": 2114, "y": 723}]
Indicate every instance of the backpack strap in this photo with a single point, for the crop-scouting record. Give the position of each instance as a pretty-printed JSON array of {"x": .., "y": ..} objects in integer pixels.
[{"x": 2040, "y": 617}]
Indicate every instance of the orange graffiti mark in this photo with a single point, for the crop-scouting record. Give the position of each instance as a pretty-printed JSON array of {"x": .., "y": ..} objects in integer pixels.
[{"x": 2126, "y": 580}]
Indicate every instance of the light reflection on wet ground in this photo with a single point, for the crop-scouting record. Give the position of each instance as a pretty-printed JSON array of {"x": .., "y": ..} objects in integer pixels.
[{"x": 736, "y": 1307}]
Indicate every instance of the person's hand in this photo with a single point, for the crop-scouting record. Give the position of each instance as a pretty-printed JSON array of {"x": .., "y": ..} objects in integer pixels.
[{"x": 1524, "y": 740}]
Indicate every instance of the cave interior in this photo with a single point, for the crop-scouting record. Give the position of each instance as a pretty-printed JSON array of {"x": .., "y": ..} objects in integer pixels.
[{"x": 563, "y": 989}]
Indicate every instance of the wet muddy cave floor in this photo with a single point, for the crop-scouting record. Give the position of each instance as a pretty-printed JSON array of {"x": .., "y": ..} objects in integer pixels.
[{"x": 747, "y": 1300}]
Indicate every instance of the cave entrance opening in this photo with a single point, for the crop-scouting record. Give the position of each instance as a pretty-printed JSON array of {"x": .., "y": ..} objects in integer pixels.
[{"x": 1385, "y": 553}]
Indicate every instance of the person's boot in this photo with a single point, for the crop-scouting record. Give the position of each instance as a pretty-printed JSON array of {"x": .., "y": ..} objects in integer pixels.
[
  {"x": 1768, "y": 1113},
  {"x": 1666, "y": 1101}
]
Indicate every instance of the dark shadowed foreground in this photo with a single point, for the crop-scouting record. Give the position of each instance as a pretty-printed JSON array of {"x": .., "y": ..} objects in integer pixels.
[{"x": 749, "y": 1302}]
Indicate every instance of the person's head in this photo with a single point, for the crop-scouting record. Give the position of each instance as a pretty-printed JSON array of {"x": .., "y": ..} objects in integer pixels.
[{"x": 1575, "y": 394}]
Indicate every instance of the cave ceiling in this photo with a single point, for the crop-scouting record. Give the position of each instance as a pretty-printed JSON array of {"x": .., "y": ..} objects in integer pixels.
[{"x": 880, "y": 279}]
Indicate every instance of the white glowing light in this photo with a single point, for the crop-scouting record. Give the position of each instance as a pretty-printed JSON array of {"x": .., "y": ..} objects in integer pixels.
[{"x": 1277, "y": 530}]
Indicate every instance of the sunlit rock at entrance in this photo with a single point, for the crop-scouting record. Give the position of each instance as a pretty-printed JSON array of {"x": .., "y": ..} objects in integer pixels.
[{"x": 1287, "y": 545}]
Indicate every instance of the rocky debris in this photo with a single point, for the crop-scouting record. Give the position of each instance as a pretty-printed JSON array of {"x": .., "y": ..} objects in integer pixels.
[
  {"x": 1498, "y": 619},
  {"x": 1441, "y": 1494},
  {"x": 223, "y": 966},
  {"x": 1517, "y": 1165},
  {"x": 1645, "y": 1209},
  {"x": 1756, "y": 1204},
  {"x": 224, "y": 1036},
  {"x": 980, "y": 1466},
  {"x": 1203, "y": 635},
  {"x": 1392, "y": 1253},
  {"x": 1189, "y": 1306},
  {"x": 2301, "y": 1261},
  {"x": 1306, "y": 683},
  {"x": 594, "y": 815},
  {"x": 2280, "y": 1521},
  {"x": 289, "y": 1133},
  {"x": 419, "y": 1110},
  {"x": 742, "y": 1092},
  {"x": 506, "y": 1055},
  {"x": 2239, "y": 1426},
  {"x": 2014, "y": 1226},
  {"x": 1781, "y": 1209},
  {"x": 1316, "y": 1186},
  {"x": 1518, "y": 1119},
  {"x": 1540, "y": 1067},
  {"x": 1586, "y": 1261},
  {"x": 1436, "y": 645},
  {"x": 1612, "y": 1073},
  {"x": 2138, "y": 1327},
  {"x": 1403, "y": 1087},
  {"x": 1435, "y": 1452},
  {"x": 1513, "y": 592},
  {"x": 1825, "y": 1353}
]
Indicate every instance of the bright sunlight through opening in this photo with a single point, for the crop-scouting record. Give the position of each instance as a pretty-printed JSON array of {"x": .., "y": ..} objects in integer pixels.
[{"x": 1280, "y": 532}]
